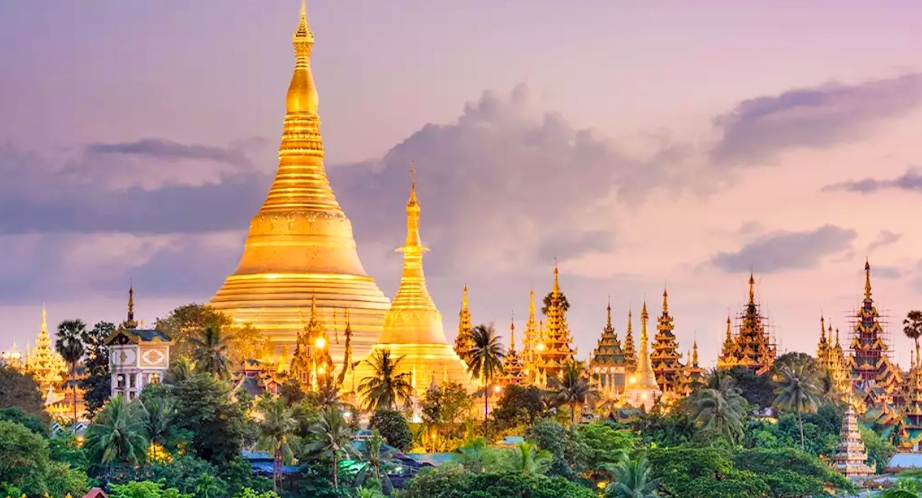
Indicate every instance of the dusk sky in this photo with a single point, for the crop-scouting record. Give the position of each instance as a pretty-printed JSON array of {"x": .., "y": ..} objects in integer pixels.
[{"x": 641, "y": 143}]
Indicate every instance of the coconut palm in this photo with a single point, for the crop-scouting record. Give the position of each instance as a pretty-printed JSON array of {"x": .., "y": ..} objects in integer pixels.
[
  {"x": 486, "y": 361},
  {"x": 179, "y": 370},
  {"x": 572, "y": 388},
  {"x": 526, "y": 459},
  {"x": 632, "y": 479},
  {"x": 69, "y": 345},
  {"x": 209, "y": 351},
  {"x": 549, "y": 298},
  {"x": 327, "y": 395},
  {"x": 276, "y": 429},
  {"x": 912, "y": 326},
  {"x": 387, "y": 386},
  {"x": 720, "y": 410},
  {"x": 157, "y": 415},
  {"x": 372, "y": 467},
  {"x": 797, "y": 390},
  {"x": 332, "y": 438},
  {"x": 117, "y": 434}
]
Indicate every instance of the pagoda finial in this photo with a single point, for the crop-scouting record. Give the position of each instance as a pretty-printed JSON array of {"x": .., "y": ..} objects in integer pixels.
[
  {"x": 608, "y": 325},
  {"x": 303, "y": 34},
  {"x": 752, "y": 289},
  {"x": 44, "y": 320},
  {"x": 867, "y": 280},
  {"x": 630, "y": 321},
  {"x": 313, "y": 307},
  {"x": 464, "y": 299},
  {"x": 531, "y": 304},
  {"x": 130, "y": 300},
  {"x": 413, "y": 243},
  {"x": 665, "y": 302},
  {"x": 695, "y": 354},
  {"x": 556, "y": 290},
  {"x": 729, "y": 328},
  {"x": 643, "y": 313},
  {"x": 837, "y": 338},
  {"x": 823, "y": 329},
  {"x": 512, "y": 333},
  {"x": 302, "y": 92}
]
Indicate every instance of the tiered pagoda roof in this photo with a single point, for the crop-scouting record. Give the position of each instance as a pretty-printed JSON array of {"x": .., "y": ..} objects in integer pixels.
[
  {"x": 831, "y": 357},
  {"x": 556, "y": 352},
  {"x": 851, "y": 458},
  {"x": 513, "y": 369},
  {"x": 312, "y": 352},
  {"x": 43, "y": 362},
  {"x": 531, "y": 341},
  {"x": 630, "y": 352},
  {"x": 872, "y": 372},
  {"x": 692, "y": 374},
  {"x": 463, "y": 341},
  {"x": 607, "y": 359},
  {"x": 909, "y": 430},
  {"x": 665, "y": 359},
  {"x": 752, "y": 346}
]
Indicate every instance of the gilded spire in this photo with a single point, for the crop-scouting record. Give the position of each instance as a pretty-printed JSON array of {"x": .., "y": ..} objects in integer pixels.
[
  {"x": 867, "y": 280},
  {"x": 752, "y": 289},
  {"x": 464, "y": 299},
  {"x": 512, "y": 333},
  {"x": 646, "y": 378},
  {"x": 413, "y": 242},
  {"x": 665, "y": 302},
  {"x": 838, "y": 345},
  {"x": 694, "y": 361},
  {"x": 44, "y": 321},
  {"x": 556, "y": 289},
  {"x": 729, "y": 329},
  {"x": 131, "y": 302},
  {"x": 823, "y": 330},
  {"x": 608, "y": 325}
]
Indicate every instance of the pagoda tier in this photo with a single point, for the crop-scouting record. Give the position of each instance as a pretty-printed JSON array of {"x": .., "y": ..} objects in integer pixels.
[
  {"x": 872, "y": 372},
  {"x": 413, "y": 328},
  {"x": 751, "y": 347},
  {"x": 831, "y": 358},
  {"x": 910, "y": 427},
  {"x": 642, "y": 389},
  {"x": 630, "y": 352},
  {"x": 851, "y": 458},
  {"x": 300, "y": 244},
  {"x": 312, "y": 361},
  {"x": 665, "y": 359},
  {"x": 693, "y": 375},
  {"x": 556, "y": 351},
  {"x": 463, "y": 341},
  {"x": 531, "y": 342},
  {"x": 607, "y": 363},
  {"x": 43, "y": 362},
  {"x": 513, "y": 369}
]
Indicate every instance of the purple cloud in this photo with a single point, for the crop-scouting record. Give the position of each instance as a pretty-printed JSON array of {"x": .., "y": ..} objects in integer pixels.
[
  {"x": 911, "y": 181},
  {"x": 784, "y": 250}
]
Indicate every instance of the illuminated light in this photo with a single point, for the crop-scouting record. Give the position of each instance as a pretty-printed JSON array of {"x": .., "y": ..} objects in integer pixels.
[
  {"x": 321, "y": 342},
  {"x": 497, "y": 389},
  {"x": 323, "y": 370}
]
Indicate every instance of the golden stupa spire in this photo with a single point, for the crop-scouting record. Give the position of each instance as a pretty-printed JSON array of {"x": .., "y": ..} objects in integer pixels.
[
  {"x": 665, "y": 302},
  {"x": 512, "y": 333},
  {"x": 556, "y": 290},
  {"x": 729, "y": 329},
  {"x": 608, "y": 325},
  {"x": 300, "y": 243},
  {"x": 694, "y": 361},
  {"x": 823, "y": 329},
  {"x": 867, "y": 280},
  {"x": 837, "y": 339},
  {"x": 131, "y": 301},
  {"x": 44, "y": 321},
  {"x": 464, "y": 305},
  {"x": 645, "y": 379},
  {"x": 419, "y": 320}
]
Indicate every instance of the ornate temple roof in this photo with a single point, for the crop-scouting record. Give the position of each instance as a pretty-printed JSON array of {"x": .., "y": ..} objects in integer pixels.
[{"x": 608, "y": 349}]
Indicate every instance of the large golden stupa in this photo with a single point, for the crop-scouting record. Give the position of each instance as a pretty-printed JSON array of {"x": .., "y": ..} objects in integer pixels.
[
  {"x": 300, "y": 243},
  {"x": 413, "y": 325}
]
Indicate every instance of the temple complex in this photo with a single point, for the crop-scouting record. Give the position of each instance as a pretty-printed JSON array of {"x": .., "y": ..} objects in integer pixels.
[
  {"x": 413, "y": 325},
  {"x": 630, "y": 352},
  {"x": 907, "y": 433},
  {"x": 513, "y": 369},
  {"x": 851, "y": 458},
  {"x": 665, "y": 358},
  {"x": 876, "y": 380},
  {"x": 607, "y": 366},
  {"x": 642, "y": 389},
  {"x": 137, "y": 356},
  {"x": 751, "y": 347},
  {"x": 300, "y": 244},
  {"x": 463, "y": 341},
  {"x": 555, "y": 350},
  {"x": 43, "y": 362}
]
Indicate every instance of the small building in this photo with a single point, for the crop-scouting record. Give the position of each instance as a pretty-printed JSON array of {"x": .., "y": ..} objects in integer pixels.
[{"x": 137, "y": 356}]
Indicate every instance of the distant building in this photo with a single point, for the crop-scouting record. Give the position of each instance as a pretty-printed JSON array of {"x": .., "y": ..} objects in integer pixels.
[{"x": 137, "y": 357}]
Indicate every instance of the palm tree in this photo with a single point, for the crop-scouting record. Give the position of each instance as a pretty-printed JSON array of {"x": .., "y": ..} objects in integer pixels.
[
  {"x": 797, "y": 390},
  {"x": 69, "y": 345},
  {"x": 385, "y": 388},
  {"x": 527, "y": 459},
  {"x": 632, "y": 479},
  {"x": 179, "y": 370},
  {"x": 720, "y": 410},
  {"x": 332, "y": 439},
  {"x": 328, "y": 392},
  {"x": 374, "y": 457},
  {"x": 209, "y": 351},
  {"x": 117, "y": 433},
  {"x": 157, "y": 416},
  {"x": 572, "y": 389},
  {"x": 275, "y": 431},
  {"x": 548, "y": 299},
  {"x": 912, "y": 326},
  {"x": 486, "y": 360}
]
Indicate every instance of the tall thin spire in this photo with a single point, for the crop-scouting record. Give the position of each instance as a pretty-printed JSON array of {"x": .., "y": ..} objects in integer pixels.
[
  {"x": 867, "y": 280},
  {"x": 512, "y": 332},
  {"x": 131, "y": 301},
  {"x": 665, "y": 302},
  {"x": 556, "y": 289},
  {"x": 44, "y": 320},
  {"x": 646, "y": 379},
  {"x": 752, "y": 289},
  {"x": 608, "y": 325}
]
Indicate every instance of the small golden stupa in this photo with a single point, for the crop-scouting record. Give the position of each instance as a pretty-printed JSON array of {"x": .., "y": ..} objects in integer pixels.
[
  {"x": 300, "y": 244},
  {"x": 413, "y": 325}
]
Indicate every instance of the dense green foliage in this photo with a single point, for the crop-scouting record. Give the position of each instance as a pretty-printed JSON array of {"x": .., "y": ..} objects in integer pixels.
[{"x": 393, "y": 427}]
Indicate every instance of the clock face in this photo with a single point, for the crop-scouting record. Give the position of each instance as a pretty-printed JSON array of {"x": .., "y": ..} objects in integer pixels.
[
  {"x": 124, "y": 357},
  {"x": 153, "y": 357}
]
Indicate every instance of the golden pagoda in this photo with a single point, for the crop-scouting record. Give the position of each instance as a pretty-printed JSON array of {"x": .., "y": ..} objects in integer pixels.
[
  {"x": 872, "y": 372},
  {"x": 851, "y": 458},
  {"x": 45, "y": 365},
  {"x": 832, "y": 359},
  {"x": 607, "y": 364},
  {"x": 692, "y": 375},
  {"x": 413, "y": 325},
  {"x": 513, "y": 369},
  {"x": 665, "y": 357},
  {"x": 531, "y": 342},
  {"x": 630, "y": 352},
  {"x": 909, "y": 434},
  {"x": 556, "y": 351},
  {"x": 642, "y": 389},
  {"x": 312, "y": 360},
  {"x": 751, "y": 347},
  {"x": 463, "y": 341},
  {"x": 300, "y": 244}
]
